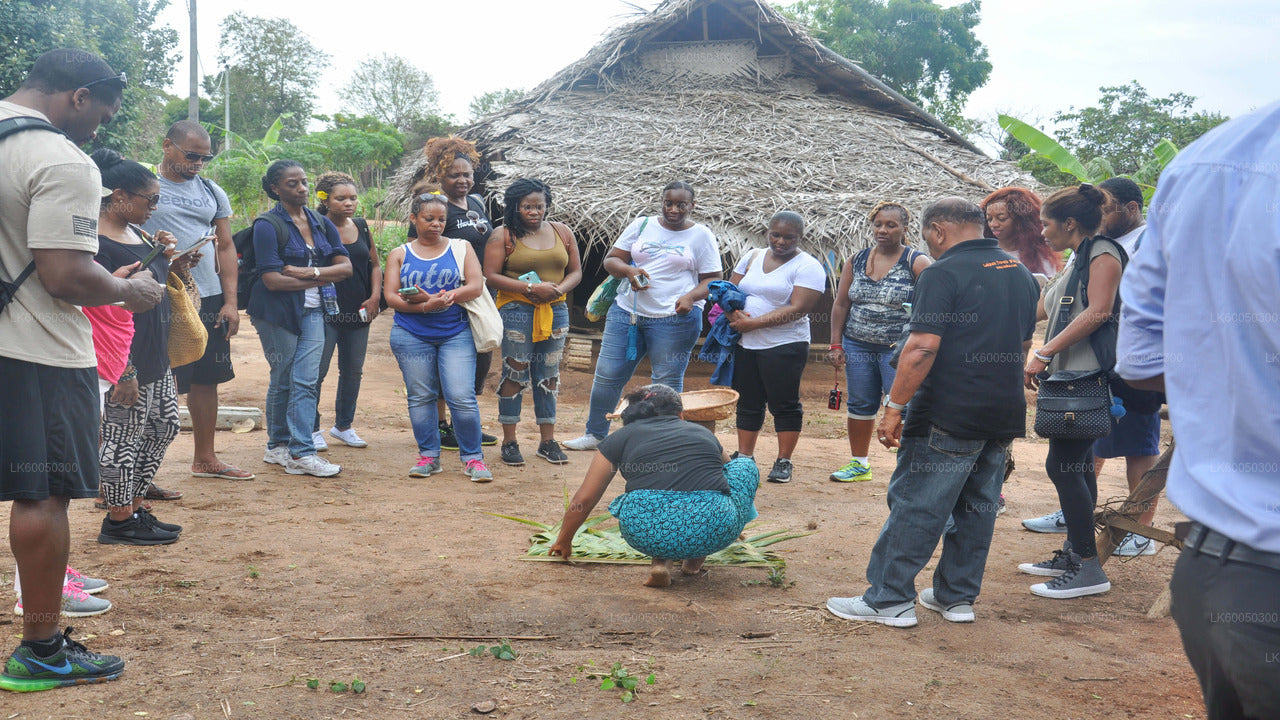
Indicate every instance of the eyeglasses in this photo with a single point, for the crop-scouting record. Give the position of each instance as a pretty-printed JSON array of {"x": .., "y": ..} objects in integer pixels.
[
  {"x": 152, "y": 200},
  {"x": 124, "y": 82},
  {"x": 193, "y": 157}
]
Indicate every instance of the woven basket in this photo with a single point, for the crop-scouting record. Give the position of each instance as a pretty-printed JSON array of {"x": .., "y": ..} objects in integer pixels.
[
  {"x": 187, "y": 335},
  {"x": 700, "y": 405}
]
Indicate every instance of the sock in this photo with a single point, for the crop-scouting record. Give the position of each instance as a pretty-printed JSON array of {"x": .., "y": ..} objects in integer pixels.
[
  {"x": 862, "y": 459},
  {"x": 45, "y": 648}
]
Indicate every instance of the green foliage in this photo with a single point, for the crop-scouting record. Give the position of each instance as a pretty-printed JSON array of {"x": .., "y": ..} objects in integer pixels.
[
  {"x": 391, "y": 89},
  {"x": 122, "y": 32},
  {"x": 619, "y": 678},
  {"x": 347, "y": 149},
  {"x": 926, "y": 52},
  {"x": 504, "y": 651},
  {"x": 274, "y": 73},
  {"x": 1127, "y": 124},
  {"x": 1044, "y": 171},
  {"x": 493, "y": 101}
]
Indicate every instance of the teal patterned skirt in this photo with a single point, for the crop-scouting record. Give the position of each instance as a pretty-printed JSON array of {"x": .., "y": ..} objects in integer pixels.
[{"x": 677, "y": 525}]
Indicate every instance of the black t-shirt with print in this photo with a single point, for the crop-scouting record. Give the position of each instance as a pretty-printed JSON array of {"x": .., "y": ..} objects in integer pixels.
[
  {"x": 149, "y": 352},
  {"x": 460, "y": 227},
  {"x": 666, "y": 453},
  {"x": 982, "y": 303}
]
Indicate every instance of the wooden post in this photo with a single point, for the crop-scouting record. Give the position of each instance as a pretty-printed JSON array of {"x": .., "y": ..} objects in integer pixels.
[{"x": 1115, "y": 523}]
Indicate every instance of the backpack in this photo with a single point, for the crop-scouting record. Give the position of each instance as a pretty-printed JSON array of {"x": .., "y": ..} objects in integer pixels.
[
  {"x": 10, "y": 126},
  {"x": 247, "y": 258}
]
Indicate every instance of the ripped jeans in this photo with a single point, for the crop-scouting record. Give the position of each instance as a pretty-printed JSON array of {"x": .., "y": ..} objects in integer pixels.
[{"x": 539, "y": 363}]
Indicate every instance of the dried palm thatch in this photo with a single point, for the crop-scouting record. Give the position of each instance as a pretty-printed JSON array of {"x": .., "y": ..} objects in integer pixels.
[
  {"x": 596, "y": 544},
  {"x": 752, "y": 111}
]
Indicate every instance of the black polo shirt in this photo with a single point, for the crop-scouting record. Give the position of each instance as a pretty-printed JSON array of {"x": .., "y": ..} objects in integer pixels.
[{"x": 982, "y": 303}]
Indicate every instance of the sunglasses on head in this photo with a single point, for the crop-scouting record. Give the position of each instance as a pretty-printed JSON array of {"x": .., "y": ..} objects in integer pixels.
[
  {"x": 124, "y": 82},
  {"x": 194, "y": 157}
]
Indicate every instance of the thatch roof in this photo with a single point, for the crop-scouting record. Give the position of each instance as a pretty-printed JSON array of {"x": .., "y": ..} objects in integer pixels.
[{"x": 744, "y": 104}]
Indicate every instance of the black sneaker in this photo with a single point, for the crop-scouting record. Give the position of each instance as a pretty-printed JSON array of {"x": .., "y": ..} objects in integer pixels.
[
  {"x": 73, "y": 664},
  {"x": 550, "y": 451},
  {"x": 448, "y": 440},
  {"x": 488, "y": 440},
  {"x": 511, "y": 453},
  {"x": 781, "y": 472},
  {"x": 134, "y": 531},
  {"x": 151, "y": 520}
]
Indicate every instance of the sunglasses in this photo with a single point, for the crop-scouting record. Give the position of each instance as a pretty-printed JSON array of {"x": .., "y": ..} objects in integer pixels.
[
  {"x": 124, "y": 82},
  {"x": 193, "y": 157},
  {"x": 152, "y": 200}
]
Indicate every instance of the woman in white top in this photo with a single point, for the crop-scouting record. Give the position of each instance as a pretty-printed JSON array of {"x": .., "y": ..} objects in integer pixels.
[
  {"x": 782, "y": 284},
  {"x": 668, "y": 261}
]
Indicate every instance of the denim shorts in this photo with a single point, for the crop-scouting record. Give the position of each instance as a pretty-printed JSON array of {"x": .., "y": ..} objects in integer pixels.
[
  {"x": 1134, "y": 435},
  {"x": 868, "y": 375}
]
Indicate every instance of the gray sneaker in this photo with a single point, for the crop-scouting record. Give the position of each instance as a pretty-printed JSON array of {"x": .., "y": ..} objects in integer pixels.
[
  {"x": 1062, "y": 561},
  {"x": 1051, "y": 523},
  {"x": 93, "y": 586},
  {"x": 781, "y": 472},
  {"x": 75, "y": 602},
  {"x": 960, "y": 612},
  {"x": 426, "y": 467},
  {"x": 278, "y": 455},
  {"x": 1087, "y": 578},
  {"x": 855, "y": 608}
]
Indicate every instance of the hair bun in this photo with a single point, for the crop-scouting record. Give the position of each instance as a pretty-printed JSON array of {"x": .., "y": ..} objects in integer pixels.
[
  {"x": 1092, "y": 194},
  {"x": 106, "y": 157}
]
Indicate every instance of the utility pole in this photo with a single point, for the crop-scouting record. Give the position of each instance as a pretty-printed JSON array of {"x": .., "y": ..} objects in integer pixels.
[
  {"x": 193, "y": 100},
  {"x": 226, "y": 107}
]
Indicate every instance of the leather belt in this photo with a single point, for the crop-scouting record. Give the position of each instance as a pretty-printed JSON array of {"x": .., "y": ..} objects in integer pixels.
[{"x": 1214, "y": 544}]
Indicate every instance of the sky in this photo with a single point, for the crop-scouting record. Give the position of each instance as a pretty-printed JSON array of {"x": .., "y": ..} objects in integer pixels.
[{"x": 1048, "y": 55}]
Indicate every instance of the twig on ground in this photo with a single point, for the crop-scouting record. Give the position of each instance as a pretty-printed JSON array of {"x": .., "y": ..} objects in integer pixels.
[{"x": 370, "y": 638}]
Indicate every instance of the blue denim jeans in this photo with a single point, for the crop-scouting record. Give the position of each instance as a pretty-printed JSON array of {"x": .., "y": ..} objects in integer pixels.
[
  {"x": 294, "y": 390},
  {"x": 432, "y": 368},
  {"x": 351, "y": 343},
  {"x": 666, "y": 340},
  {"x": 541, "y": 361},
  {"x": 868, "y": 376},
  {"x": 938, "y": 477}
]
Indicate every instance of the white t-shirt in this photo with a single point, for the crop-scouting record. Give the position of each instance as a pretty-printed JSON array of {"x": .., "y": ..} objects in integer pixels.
[
  {"x": 673, "y": 260},
  {"x": 49, "y": 199},
  {"x": 768, "y": 291},
  {"x": 1129, "y": 240}
]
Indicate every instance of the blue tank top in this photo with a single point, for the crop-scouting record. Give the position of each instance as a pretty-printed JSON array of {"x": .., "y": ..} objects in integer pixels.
[{"x": 433, "y": 275}]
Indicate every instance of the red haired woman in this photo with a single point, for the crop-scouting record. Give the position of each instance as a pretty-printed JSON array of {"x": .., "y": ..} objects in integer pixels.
[{"x": 1013, "y": 219}]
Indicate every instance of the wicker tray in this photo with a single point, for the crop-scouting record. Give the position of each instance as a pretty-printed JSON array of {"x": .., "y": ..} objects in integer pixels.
[{"x": 701, "y": 405}]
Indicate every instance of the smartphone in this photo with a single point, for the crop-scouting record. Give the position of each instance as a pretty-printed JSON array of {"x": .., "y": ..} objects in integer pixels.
[
  {"x": 409, "y": 291},
  {"x": 530, "y": 277},
  {"x": 364, "y": 315},
  {"x": 642, "y": 280},
  {"x": 195, "y": 248},
  {"x": 155, "y": 252}
]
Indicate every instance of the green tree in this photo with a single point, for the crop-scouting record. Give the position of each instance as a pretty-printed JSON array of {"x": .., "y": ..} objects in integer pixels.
[
  {"x": 493, "y": 101},
  {"x": 1127, "y": 122},
  {"x": 390, "y": 88},
  {"x": 274, "y": 72},
  {"x": 926, "y": 52},
  {"x": 123, "y": 32}
]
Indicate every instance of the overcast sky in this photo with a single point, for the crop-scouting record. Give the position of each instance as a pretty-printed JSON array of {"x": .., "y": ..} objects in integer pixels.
[{"x": 1047, "y": 55}]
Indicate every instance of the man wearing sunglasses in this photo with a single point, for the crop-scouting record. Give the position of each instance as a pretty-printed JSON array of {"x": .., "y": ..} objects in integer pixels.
[
  {"x": 192, "y": 206},
  {"x": 50, "y": 193}
]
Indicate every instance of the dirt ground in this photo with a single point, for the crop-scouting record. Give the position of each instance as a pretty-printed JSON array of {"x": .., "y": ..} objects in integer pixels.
[{"x": 228, "y": 622}]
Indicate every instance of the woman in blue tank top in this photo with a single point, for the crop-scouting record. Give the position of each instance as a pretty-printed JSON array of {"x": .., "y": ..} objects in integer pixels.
[{"x": 432, "y": 339}]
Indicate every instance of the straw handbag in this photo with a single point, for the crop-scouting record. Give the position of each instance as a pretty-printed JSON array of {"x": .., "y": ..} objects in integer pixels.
[{"x": 187, "y": 335}]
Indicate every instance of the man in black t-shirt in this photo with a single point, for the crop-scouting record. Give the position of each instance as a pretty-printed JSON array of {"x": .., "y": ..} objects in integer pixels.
[{"x": 961, "y": 369}]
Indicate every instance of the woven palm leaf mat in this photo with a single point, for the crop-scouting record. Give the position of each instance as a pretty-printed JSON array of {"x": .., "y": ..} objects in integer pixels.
[{"x": 596, "y": 543}]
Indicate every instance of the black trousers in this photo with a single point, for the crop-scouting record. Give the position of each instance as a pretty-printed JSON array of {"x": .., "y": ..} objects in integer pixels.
[
  {"x": 770, "y": 377},
  {"x": 1228, "y": 613}
]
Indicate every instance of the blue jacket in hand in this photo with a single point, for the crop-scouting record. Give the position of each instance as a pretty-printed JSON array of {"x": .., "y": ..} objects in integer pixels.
[{"x": 721, "y": 339}]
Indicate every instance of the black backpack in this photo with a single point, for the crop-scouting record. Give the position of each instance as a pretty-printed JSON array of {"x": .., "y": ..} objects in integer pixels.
[
  {"x": 247, "y": 258},
  {"x": 10, "y": 126}
]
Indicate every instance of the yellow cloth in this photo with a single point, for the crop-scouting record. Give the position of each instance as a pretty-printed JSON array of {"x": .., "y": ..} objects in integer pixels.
[{"x": 542, "y": 314}]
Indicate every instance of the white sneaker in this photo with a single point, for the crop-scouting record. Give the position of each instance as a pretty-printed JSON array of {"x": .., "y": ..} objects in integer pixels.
[
  {"x": 348, "y": 437},
  {"x": 1054, "y": 522},
  {"x": 1133, "y": 546},
  {"x": 278, "y": 455},
  {"x": 317, "y": 439},
  {"x": 586, "y": 442},
  {"x": 311, "y": 465}
]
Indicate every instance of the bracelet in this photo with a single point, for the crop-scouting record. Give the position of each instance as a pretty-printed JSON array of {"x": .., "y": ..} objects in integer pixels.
[
  {"x": 1041, "y": 358},
  {"x": 891, "y": 404},
  {"x": 834, "y": 346},
  {"x": 130, "y": 373}
]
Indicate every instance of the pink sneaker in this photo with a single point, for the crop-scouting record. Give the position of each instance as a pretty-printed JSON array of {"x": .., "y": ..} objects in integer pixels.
[
  {"x": 426, "y": 467},
  {"x": 93, "y": 586},
  {"x": 75, "y": 602},
  {"x": 477, "y": 471}
]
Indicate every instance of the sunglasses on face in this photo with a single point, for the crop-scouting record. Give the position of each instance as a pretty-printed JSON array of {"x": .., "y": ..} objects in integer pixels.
[
  {"x": 152, "y": 200},
  {"x": 110, "y": 78},
  {"x": 194, "y": 157}
]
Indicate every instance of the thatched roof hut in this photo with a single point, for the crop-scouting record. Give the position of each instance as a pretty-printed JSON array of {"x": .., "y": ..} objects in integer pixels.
[{"x": 744, "y": 104}]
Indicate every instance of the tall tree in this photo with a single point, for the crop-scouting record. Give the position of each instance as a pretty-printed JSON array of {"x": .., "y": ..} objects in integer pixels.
[
  {"x": 390, "y": 88},
  {"x": 123, "y": 32},
  {"x": 926, "y": 52},
  {"x": 1127, "y": 122},
  {"x": 274, "y": 71},
  {"x": 493, "y": 101}
]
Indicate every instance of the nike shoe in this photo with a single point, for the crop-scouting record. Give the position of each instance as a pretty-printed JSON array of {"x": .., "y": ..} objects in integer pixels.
[{"x": 72, "y": 664}]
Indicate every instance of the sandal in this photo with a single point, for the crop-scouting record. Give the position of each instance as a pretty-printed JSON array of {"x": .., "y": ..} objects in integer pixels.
[
  {"x": 228, "y": 472},
  {"x": 155, "y": 492}
]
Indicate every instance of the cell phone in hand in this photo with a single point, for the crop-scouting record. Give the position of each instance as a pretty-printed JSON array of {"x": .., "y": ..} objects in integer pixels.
[
  {"x": 530, "y": 277},
  {"x": 642, "y": 280},
  {"x": 409, "y": 291},
  {"x": 155, "y": 252}
]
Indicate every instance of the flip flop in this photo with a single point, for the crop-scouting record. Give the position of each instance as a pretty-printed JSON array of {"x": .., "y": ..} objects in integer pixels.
[
  {"x": 155, "y": 492},
  {"x": 230, "y": 472}
]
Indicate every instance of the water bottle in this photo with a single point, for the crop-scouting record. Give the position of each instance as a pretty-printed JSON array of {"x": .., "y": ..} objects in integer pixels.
[{"x": 329, "y": 295}]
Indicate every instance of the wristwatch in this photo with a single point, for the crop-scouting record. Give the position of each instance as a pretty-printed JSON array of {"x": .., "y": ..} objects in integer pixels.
[
  {"x": 315, "y": 273},
  {"x": 891, "y": 404}
]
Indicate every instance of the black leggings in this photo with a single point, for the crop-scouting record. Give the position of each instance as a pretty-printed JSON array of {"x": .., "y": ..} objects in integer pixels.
[
  {"x": 1070, "y": 467},
  {"x": 772, "y": 377}
]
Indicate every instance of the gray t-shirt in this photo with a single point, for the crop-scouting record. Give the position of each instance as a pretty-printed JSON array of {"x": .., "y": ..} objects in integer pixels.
[
  {"x": 666, "y": 453},
  {"x": 188, "y": 209}
]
